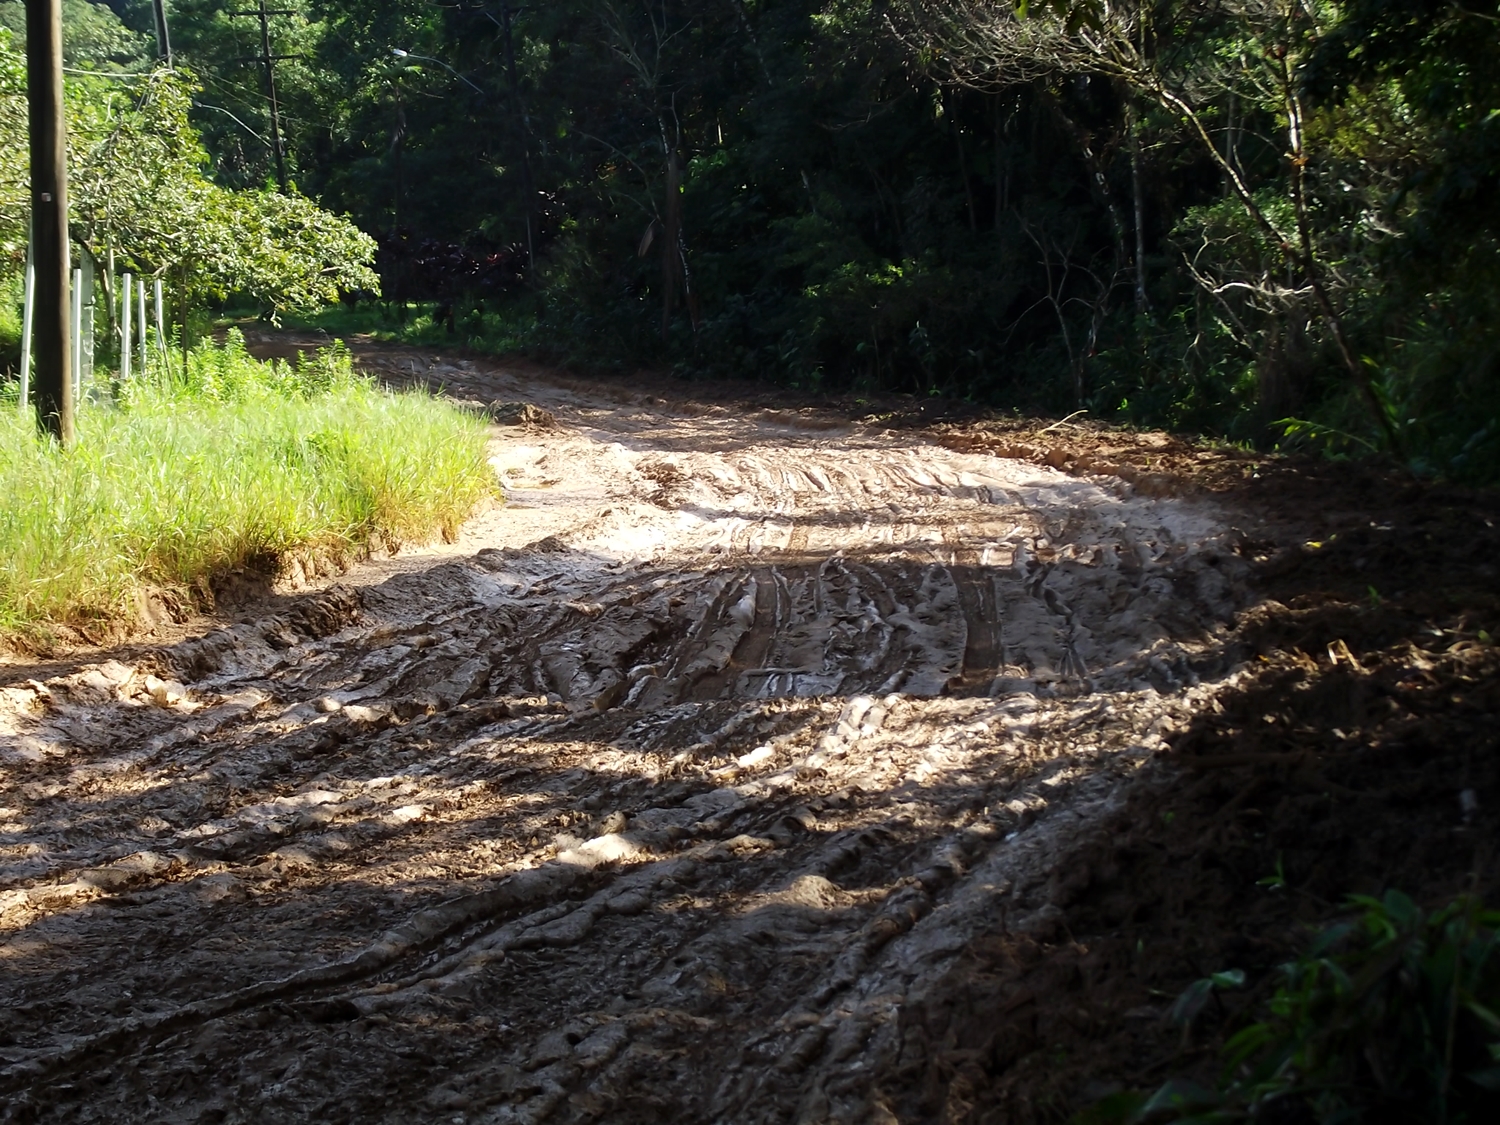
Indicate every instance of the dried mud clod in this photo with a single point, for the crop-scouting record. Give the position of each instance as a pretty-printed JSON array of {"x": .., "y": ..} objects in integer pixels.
[
  {"x": 524, "y": 414},
  {"x": 738, "y": 770},
  {"x": 670, "y": 480}
]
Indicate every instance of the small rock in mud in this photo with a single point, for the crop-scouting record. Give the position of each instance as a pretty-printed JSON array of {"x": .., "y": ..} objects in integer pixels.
[
  {"x": 521, "y": 414},
  {"x": 600, "y": 850},
  {"x": 165, "y": 693},
  {"x": 613, "y": 824}
]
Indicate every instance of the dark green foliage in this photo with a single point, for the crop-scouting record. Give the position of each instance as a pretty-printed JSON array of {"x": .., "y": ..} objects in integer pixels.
[
  {"x": 1390, "y": 1017},
  {"x": 93, "y": 36},
  {"x": 797, "y": 190},
  {"x": 1436, "y": 302}
]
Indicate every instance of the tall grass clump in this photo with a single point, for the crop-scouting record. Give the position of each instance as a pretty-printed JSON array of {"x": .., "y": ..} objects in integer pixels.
[{"x": 230, "y": 463}]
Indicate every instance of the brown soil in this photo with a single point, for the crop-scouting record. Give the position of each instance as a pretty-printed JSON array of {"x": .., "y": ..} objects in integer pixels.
[{"x": 752, "y": 764}]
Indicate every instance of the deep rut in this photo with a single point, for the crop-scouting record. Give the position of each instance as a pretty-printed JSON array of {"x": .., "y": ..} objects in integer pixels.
[{"x": 666, "y": 793}]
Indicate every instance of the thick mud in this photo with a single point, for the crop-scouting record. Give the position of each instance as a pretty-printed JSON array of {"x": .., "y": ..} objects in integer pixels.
[{"x": 687, "y": 786}]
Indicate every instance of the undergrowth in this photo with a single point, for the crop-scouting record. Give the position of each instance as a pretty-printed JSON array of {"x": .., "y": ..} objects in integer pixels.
[
  {"x": 485, "y": 330},
  {"x": 1390, "y": 1016},
  {"x": 230, "y": 463}
]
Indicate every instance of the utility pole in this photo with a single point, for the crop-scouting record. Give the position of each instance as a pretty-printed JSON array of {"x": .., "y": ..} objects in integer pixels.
[
  {"x": 269, "y": 60},
  {"x": 163, "y": 35},
  {"x": 49, "y": 219}
]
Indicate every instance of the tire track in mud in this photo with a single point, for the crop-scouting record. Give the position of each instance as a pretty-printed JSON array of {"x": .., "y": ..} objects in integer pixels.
[{"x": 661, "y": 795}]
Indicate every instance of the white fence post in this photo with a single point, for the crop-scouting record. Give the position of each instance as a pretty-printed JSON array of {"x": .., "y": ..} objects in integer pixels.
[
  {"x": 161, "y": 323},
  {"x": 76, "y": 374},
  {"x": 126, "y": 286},
  {"x": 26, "y": 332},
  {"x": 140, "y": 307},
  {"x": 87, "y": 321}
]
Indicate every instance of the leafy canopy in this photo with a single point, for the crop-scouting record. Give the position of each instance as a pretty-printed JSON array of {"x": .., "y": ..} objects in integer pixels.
[{"x": 140, "y": 194}]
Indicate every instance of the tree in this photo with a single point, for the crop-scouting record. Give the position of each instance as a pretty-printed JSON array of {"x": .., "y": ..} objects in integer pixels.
[
  {"x": 1188, "y": 59},
  {"x": 141, "y": 200},
  {"x": 1210, "y": 214},
  {"x": 144, "y": 202},
  {"x": 93, "y": 36}
]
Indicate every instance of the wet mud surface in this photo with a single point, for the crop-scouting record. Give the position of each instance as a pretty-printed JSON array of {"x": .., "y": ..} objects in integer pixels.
[{"x": 748, "y": 765}]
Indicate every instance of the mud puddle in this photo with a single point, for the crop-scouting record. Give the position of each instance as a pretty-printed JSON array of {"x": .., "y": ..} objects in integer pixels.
[{"x": 667, "y": 793}]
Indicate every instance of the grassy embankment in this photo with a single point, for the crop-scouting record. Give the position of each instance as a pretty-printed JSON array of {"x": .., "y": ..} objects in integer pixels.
[{"x": 237, "y": 463}]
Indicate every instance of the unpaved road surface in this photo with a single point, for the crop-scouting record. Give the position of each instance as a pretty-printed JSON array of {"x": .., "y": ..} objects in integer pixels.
[{"x": 675, "y": 790}]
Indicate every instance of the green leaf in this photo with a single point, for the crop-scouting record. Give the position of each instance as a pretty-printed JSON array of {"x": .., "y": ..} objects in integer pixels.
[
  {"x": 1187, "y": 1006},
  {"x": 1182, "y": 1096},
  {"x": 1488, "y": 1079},
  {"x": 1117, "y": 1109}
]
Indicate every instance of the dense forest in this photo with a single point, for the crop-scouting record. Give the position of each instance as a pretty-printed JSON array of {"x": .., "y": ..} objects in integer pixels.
[{"x": 1267, "y": 220}]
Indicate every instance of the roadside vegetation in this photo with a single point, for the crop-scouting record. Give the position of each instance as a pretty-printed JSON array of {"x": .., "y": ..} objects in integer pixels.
[
  {"x": 1250, "y": 219},
  {"x": 1390, "y": 1014},
  {"x": 209, "y": 461},
  {"x": 236, "y": 464},
  {"x": 488, "y": 331},
  {"x": 142, "y": 202}
]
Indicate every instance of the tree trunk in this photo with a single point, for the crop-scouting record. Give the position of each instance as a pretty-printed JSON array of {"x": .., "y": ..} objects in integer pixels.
[
  {"x": 963, "y": 161},
  {"x": 1138, "y": 200},
  {"x": 1099, "y": 182},
  {"x": 670, "y": 250}
]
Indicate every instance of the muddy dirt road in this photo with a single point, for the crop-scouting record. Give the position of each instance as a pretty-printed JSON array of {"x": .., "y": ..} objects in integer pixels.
[{"x": 675, "y": 790}]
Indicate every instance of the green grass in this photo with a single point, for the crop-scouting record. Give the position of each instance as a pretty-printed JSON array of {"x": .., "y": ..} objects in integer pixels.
[
  {"x": 238, "y": 463},
  {"x": 10, "y": 322}
]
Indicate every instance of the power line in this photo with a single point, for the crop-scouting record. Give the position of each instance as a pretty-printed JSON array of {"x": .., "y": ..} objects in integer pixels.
[
  {"x": 236, "y": 120},
  {"x": 123, "y": 76}
]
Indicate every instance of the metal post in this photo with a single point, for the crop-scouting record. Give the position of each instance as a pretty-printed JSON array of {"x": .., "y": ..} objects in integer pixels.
[
  {"x": 161, "y": 322},
  {"x": 26, "y": 311},
  {"x": 140, "y": 306},
  {"x": 49, "y": 217},
  {"x": 126, "y": 282},
  {"x": 77, "y": 372}
]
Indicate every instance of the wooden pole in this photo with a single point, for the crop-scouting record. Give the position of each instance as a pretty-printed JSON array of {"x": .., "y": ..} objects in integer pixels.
[
  {"x": 163, "y": 33},
  {"x": 265, "y": 50},
  {"x": 269, "y": 61},
  {"x": 49, "y": 217}
]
